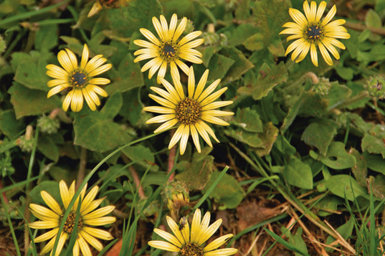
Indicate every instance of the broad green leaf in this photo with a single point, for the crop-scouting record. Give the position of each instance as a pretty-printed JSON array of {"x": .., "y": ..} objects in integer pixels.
[
  {"x": 9, "y": 125},
  {"x": 239, "y": 34},
  {"x": 219, "y": 66},
  {"x": 48, "y": 147},
  {"x": 268, "y": 137},
  {"x": 297, "y": 241},
  {"x": 372, "y": 19},
  {"x": 98, "y": 132},
  {"x": 345, "y": 186},
  {"x": 125, "y": 20},
  {"x": 374, "y": 141},
  {"x": 254, "y": 42},
  {"x": 327, "y": 205},
  {"x": 200, "y": 167},
  {"x": 284, "y": 146},
  {"x": 126, "y": 77},
  {"x": 359, "y": 169},
  {"x": 112, "y": 106},
  {"x": 241, "y": 63},
  {"x": 248, "y": 119},
  {"x": 336, "y": 157},
  {"x": 132, "y": 109},
  {"x": 250, "y": 138},
  {"x": 140, "y": 154},
  {"x": 46, "y": 37},
  {"x": 27, "y": 102},
  {"x": 31, "y": 69},
  {"x": 378, "y": 186},
  {"x": 228, "y": 193},
  {"x": 320, "y": 134},
  {"x": 268, "y": 77},
  {"x": 298, "y": 174},
  {"x": 59, "y": 173},
  {"x": 375, "y": 162}
]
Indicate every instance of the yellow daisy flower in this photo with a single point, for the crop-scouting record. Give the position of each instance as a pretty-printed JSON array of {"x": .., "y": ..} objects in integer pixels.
[
  {"x": 50, "y": 218},
  {"x": 191, "y": 242},
  {"x": 168, "y": 49},
  {"x": 312, "y": 31},
  {"x": 79, "y": 78},
  {"x": 189, "y": 113}
]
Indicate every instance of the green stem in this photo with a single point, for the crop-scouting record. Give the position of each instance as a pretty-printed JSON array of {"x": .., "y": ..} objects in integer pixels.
[{"x": 27, "y": 213}]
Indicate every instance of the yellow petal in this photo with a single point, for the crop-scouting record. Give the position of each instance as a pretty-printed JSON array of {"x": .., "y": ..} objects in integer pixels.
[{"x": 51, "y": 202}]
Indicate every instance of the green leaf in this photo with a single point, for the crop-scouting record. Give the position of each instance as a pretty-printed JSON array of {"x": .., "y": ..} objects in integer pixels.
[
  {"x": 254, "y": 42},
  {"x": 345, "y": 186},
  {"x": 228, "y": 193},
  {"x": 378, "y": 186},
  {"x": 239, "y": 34},
  {"x": 125, "y": 20},
  {"x": 48, "y": 147},
  {"x": 320, "y": 134},
  {"x": 126, "y": 77},
  {"x": 200, "y": 167},
  {"x": 140, "y": 154},
  {"x": 268, "y": 78},
  {"x": 359, "y": 169},
  {"x": 241, "y": 63},
  {"x": 297, "y": 241},
  {"x": 250, "y": 138},
  {"x": 327, "y": 205},
  {"x": 336, "y": 158},
  {"x": 9, "y": 125},
  {"x": 374, "y": 141},
  {"x": 97, "y": 131},
  {"x": 46, "y": 37},
  {"x": 219, "y": 66},
  {"x": 31, "y": 70},
  {"x": 248, "y": 119},
  {"x": 375, "y": 163},
  {"x": 268, "y": 137},
  {"x": 372, "y": 19},
  {"x": 27, "y": 102},
  {"x": 112, "y": 106},
  {"x": 298, "y": 174}
]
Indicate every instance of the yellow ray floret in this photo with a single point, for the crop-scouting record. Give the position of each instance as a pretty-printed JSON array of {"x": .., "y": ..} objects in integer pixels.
[
  {"x": 191, "y": 112},
  {"x": 311, "y": 31},
  {"x": 78, "y": 80},
  {"x": 86, "y": 215}
]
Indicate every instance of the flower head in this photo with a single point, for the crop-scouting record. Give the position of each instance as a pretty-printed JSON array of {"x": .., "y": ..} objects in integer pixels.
[
  {"x": 78, "y": 78},
  {"x": 311, "y": 31},
  {"x": 190, "y": 113},
  {"x": 88, "y": 217},
  {"x": 191, "y": 241},
  {"x": 168, "y": 49}
]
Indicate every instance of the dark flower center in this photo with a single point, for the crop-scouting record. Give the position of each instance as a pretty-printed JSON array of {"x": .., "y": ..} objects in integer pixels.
[
  {"x": 188, "y": 111},
  {"x": 191, "y": 250},
  {"x": 168, "y": 51},
  {"x": 69, "y": 225},
  {"x": 314, "y": 32},
  {"x": 78, "y": 79}
]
